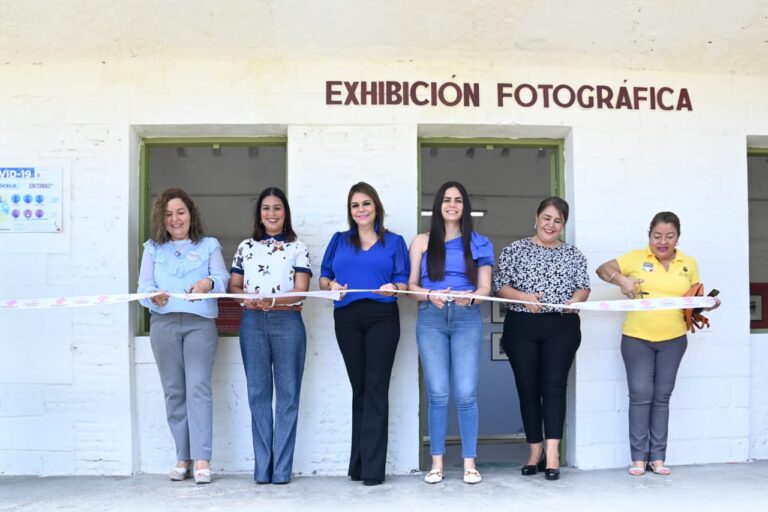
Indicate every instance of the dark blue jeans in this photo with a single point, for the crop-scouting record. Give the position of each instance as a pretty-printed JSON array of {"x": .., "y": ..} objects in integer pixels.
[{"x": 273, "y": 345}]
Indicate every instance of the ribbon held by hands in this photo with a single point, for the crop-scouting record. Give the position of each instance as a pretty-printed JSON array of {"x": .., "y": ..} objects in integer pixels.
[{"x": 683, "y": 303}]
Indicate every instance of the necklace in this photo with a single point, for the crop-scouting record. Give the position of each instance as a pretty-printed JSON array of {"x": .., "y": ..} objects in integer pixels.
[{"x": 178, "y": 248}]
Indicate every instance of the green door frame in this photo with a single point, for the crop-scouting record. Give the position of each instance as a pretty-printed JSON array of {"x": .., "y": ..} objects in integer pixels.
[
  {"x": 557, "y": 178},
  {"x": 145, "y": 183},
  {"x": 752, "y": 151}
]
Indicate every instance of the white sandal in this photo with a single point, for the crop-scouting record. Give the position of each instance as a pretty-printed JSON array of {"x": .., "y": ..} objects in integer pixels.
[
  {"x": 435, "y": 476},
  {"x": 179, "y": 473},
  {"x": 658, "y": 467},
  {"x": 203, "y": 476},
  {"x": 472, "y": 476}
]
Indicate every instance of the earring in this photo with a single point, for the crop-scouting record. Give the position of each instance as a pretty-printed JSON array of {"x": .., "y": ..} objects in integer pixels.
[{"x": 535, "y": 226}]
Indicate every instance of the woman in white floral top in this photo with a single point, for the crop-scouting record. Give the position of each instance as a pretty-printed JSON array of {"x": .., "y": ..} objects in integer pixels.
[{"x": 272, "y": 336}]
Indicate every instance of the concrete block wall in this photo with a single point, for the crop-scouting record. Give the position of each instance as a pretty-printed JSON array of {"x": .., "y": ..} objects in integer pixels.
[
  {"x": 323, "y": 161},
  {"x": 67, "y": 378},
  {"x": 65, "y": 374}
]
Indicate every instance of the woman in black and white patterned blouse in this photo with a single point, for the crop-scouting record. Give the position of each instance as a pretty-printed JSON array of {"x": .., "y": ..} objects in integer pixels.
[{"x": 541, "y": 341}]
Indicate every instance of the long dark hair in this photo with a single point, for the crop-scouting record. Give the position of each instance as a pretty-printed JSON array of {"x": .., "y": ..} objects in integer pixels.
[
  {"x": 159, "y": 233},
  {"x": 364, "y": 188},
  {"x": 258, "y": 227},
  {"x": 436, "y": 244}
]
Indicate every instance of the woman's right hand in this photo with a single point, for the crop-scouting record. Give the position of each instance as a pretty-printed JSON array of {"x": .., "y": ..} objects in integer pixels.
[
  {"x": 160, "y": 300},
  {"x": 335, "y": 286},
  {"x": 630, "y": 286},
  {"x": 438, "y": 301},
  {"x": 535, "y": 298},
  {"x": 253, "y": 303}
]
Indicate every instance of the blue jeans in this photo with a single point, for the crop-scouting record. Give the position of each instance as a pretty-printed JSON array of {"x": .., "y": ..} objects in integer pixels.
[
  {"x": 273, "y": 343},
  {"x": 450, "y": 341}
]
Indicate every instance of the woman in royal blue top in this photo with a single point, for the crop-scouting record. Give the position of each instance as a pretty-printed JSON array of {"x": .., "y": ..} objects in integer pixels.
[
  {"x": 367, "y": 324},
  {"x": 451, "y": 258}
]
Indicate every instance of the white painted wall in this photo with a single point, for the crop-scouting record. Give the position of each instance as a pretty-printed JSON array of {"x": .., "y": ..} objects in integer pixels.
[{"x": 67, "y": 378}]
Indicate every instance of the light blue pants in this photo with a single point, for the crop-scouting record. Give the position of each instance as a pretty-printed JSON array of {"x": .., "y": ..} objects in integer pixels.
[
  {"x": 450, "y": 342},
  {"x": 184, "y": 346}
]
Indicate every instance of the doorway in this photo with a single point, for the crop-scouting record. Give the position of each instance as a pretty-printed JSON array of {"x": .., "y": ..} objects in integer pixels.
[
  {"x": 223, "y": 177},
  {"x": 506, "y": 180}
]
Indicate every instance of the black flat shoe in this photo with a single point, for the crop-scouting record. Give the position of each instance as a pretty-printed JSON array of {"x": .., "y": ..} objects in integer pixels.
[
  {"x": 372, "y": 482},
  {"x": 532, "y": 469},
  {"x": 551, "y": 474}
]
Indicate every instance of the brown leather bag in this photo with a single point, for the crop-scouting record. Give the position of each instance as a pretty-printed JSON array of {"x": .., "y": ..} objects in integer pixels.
[{"x": 693, "y": 317}]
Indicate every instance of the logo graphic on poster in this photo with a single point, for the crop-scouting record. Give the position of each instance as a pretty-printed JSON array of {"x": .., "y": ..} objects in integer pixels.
[{"x": 30, "y": 200}]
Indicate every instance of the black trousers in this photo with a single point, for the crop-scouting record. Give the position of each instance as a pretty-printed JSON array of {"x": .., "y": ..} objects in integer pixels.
[
  {"x": 367, "y": 332},
  {"x": 541, "y": 348}
]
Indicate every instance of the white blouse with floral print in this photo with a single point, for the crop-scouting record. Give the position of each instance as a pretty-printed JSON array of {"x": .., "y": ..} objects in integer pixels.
[{"x": 269, "y": 265}]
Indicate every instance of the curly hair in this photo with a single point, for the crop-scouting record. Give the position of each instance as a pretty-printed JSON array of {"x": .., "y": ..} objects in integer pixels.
[{"x": 159, "y": 233}]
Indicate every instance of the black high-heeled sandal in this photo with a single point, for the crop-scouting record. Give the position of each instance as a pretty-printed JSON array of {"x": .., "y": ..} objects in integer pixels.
[{"x": 532, "y": 469}]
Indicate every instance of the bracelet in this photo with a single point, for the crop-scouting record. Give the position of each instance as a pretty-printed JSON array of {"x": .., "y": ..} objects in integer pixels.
[
  {"x": 472, "y": 301},
  {"x": 273, "y": 303},
  {"x": 428, "y": 292},
  {"x": 610, "y": 279}
]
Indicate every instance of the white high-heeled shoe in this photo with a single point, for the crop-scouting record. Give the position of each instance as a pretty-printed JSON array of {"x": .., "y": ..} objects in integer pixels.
[
  {"x": 202, "y": 475},
  {"x": 179, "y": 473}
]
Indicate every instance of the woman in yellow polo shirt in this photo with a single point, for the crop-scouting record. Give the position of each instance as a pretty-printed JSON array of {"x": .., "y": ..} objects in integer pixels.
[{"x": 652, "y": 342}]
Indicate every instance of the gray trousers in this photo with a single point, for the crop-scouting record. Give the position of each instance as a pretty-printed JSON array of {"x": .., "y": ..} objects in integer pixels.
[
  {"x": 184, "y": 346},
  {"x": 651, "y": 372}
]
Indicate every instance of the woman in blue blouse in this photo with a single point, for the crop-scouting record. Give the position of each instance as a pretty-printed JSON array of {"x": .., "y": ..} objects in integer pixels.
[
  {"x": 367, "y": 324},
  {"x": 451, "y": 258},
  {"x": 183, "y": 335}
]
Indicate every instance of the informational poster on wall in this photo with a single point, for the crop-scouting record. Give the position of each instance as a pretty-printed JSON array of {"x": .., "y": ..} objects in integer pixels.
[{"x": 30, "y": 200}]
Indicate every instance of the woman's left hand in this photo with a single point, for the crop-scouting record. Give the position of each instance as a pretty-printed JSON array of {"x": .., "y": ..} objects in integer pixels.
[
  {"x": 463, "y": 301},
  {"x": 569, "y": 310},
  {"x": 717, "y": 305},
  {"x": 205, "y": 285},
  {"x": 388, "y": 290}
]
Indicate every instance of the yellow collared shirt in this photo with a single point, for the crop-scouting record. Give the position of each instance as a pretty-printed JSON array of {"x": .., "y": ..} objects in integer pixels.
[{"x": 683, "y": 272}]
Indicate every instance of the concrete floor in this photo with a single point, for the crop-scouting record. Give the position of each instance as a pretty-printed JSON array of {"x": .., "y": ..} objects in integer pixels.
[{"x": 712, "y": 487}]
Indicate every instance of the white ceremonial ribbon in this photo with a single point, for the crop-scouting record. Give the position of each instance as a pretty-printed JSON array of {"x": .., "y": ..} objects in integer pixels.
[
  {"x": 657, "y": 304},
  {"x": 602, "y": 305},
  {"x": 73, "y": 302},
  {"x": 318, "y": 294}
]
